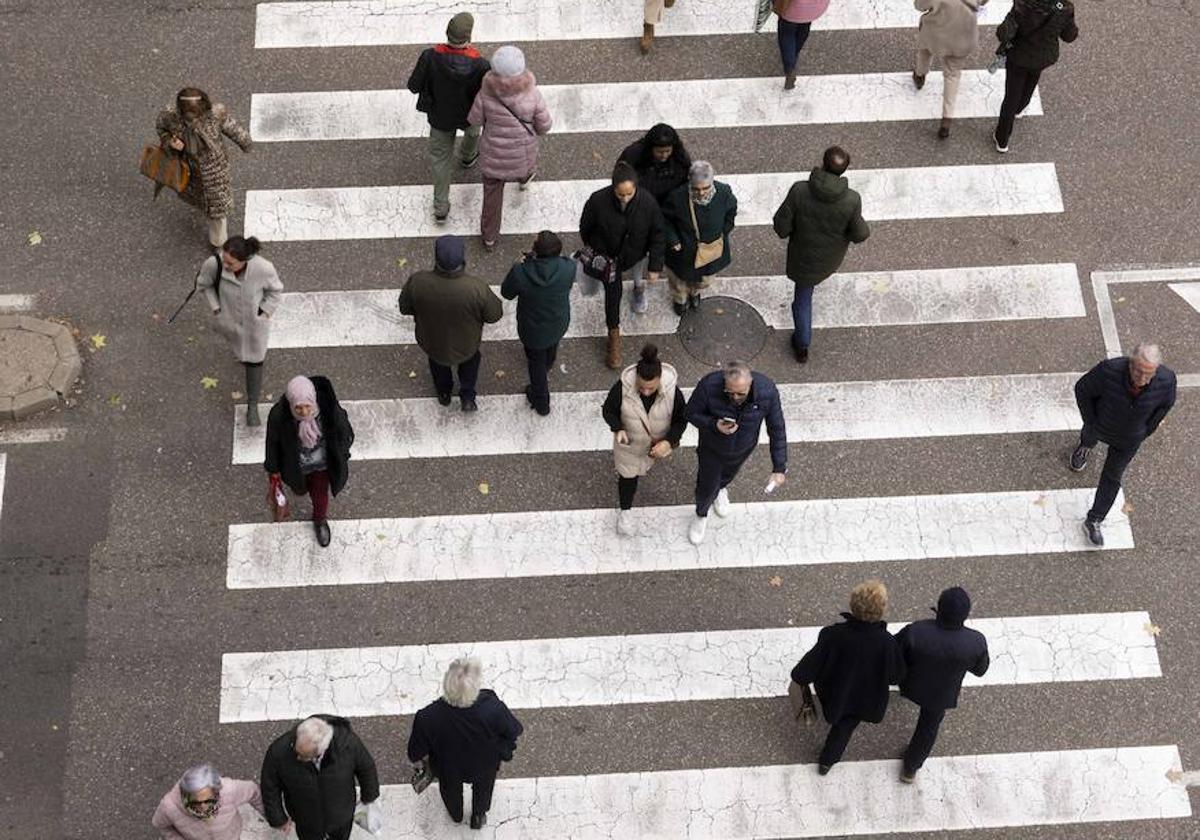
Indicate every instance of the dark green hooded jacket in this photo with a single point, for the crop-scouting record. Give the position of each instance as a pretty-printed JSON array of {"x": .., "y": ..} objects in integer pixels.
[
  {"x": 542, "y": 288},
  {"x": 819, "y": 218}
]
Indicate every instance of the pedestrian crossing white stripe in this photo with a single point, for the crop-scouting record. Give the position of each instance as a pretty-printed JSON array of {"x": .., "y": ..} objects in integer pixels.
[
  {"x": 1190, "y": 292},
  {"x": 16, "y": 303},
  {"x": 584, "y": 542},
  {"x": 344, "y": 23},
  {"x": 964, "y": 792},
  {"x": 869, "y": 410},
  {"x": 631, "y": 106},
  {"x": 404, "y": 211},
  {"x": 875, "y": 298},
  {"x": 650, "y": 668},
  {"x": 3, "y": 469}
]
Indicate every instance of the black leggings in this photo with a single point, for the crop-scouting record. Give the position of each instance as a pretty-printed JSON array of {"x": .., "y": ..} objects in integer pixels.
[
  {"x": 612, "y": 302},
  {"x": 626, "y": 487}
]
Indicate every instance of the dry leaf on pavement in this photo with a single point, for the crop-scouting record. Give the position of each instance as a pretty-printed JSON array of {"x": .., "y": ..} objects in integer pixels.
[
  {"x": 484, "y": 488},
  {"x": 208, "y": 382},
  {"x": 1127, "y": 507},
  {"x": 34, "y": 238},
  {"x": 777, "y": 581},
  {"x": 1152, "y": 629},
  {"x": 99, "y": 341}
]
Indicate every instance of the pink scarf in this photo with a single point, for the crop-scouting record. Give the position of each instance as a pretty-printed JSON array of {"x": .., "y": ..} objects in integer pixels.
[{"x": 301, "y": 391}]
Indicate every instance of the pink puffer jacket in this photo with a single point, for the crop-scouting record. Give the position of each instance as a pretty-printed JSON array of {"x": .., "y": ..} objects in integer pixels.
[{"x": 507, "y": 151}]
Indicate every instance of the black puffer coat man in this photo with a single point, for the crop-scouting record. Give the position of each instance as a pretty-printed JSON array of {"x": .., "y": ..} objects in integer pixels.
[
  {"x": 938, "y": 653},
  {"x": 319, "y": 800}
]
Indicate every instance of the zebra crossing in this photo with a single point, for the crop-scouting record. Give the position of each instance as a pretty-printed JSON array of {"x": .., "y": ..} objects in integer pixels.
[{"x": 533, "y": 670}]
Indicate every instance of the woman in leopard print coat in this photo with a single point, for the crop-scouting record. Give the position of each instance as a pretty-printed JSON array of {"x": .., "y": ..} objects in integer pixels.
[{"x": 194, "y": 126}]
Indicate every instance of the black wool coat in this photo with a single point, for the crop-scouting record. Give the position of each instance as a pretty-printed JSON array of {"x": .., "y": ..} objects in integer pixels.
[
  {"x": 819, "y": 218},
  {"x": 465, "y": 744},
  {"x": 317, "y": 800},
  {"x": 1116, "y": 417},
  {"x": 852, "y": 665},
  {"x": 283, "y": 440},
  {"x": 629, "y": 234},
  {"x": 659, "y": 178},
  {"x": 1035, "y": 33},
  {"x": 937, "y": 657}
]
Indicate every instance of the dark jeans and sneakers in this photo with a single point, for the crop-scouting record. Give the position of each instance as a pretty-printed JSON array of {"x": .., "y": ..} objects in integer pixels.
[
  {"x": 802, "y": 317},
  {"x": 540, "y": 362},
  {"x": 836, "y": 741},
  {"x": 481, "y": 796},
  {"x": 1019, "y": 85},
  {"x": 923, "y": 739},
  {"x": 791, "y": 38},
  {"x": 468, "y": 375},
  {"x": 713, "y": 474},
  {"x": 1110, "y": 479},
  {"x": 342, "y": 833}
]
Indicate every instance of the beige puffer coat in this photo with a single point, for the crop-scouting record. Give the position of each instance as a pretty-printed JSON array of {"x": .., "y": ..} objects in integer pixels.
[{"x": 643, "y": 428}]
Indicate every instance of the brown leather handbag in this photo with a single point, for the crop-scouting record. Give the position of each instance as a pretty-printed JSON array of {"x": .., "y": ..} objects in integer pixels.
[{"x": 165, "y": 167}]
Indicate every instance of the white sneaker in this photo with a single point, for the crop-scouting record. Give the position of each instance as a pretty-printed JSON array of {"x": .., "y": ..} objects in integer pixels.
[
  {"x": 696, "y": 530},
  {"x": 639, "y": 298},
  {"x": 722, "y": 507},
  {"x": 625, "y": 523}
]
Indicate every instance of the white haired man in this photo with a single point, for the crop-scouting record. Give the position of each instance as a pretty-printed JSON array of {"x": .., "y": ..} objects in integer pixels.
[
  {"x": 1122, "y": 402},
  {"x": 308, "y": 778},
  {"x": 203, "y": 806},
  {"x": 464, "y": 735}
]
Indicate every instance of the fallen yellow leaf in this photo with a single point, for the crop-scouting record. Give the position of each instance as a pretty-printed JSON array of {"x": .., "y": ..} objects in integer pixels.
[
  {"x": 1127, "y": 507},
  {"x": 1152, "y": 629},
  {"x": 777, "y": 581},
  {"x": 484, "y": 488},
  {"x": 718, "y": 311},
  {"x": 114, "y": 400},
  {"x": 34, "y": 238},
  {"x": 401, "y": 262},
  {"x": 99, "y": 341},
  {"x": 236, "y": 395},
  {"x": 208, "y": 382},
  {"x": 500, "y": 374},
  {"x": 412, "y": 374}
]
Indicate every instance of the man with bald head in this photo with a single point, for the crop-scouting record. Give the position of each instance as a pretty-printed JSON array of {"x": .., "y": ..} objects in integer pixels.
[{"x": 1122, "y": 401}]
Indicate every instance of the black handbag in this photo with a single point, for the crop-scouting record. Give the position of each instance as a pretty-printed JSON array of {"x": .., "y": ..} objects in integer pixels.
[
  {"x": 422, "y": 776},
  {"x": 596, "y": 265}
]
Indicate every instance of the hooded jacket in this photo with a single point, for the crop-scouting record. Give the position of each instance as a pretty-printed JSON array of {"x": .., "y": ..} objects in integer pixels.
[
  {"x": 446, "y": 80},
  {"x": 450, "y": 308},
  {"x": 852, "y": 666},
  {"x": 659, "y": 178},
  {"x": 542, "y": 289},
  {"x": 1117, "y": 417},
  {"x": 708, "y": 403},
  {"x": 938, "y": 652},
  {"x": 318, "y": 801},
  {"x": 1035, "y": 27},
  {"x": 283, "y": 440},
  {"x": 465, "y": 744},
  {"x": 819, "y": 218},
  {"x": 627, "y": 234},
  {"x": 508, "y": 148}
]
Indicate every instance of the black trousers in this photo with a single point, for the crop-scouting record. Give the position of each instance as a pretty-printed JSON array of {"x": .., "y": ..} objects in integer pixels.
[
  {"x": 539, "y": 363},
  {"x": 468, "y": 375},
  {"x": 713, "y": 474},
  {"x": 1110, "y": 477},
  {"x": 612, "y": 302},
  {"x": 626, "y": 488},
  {"x": 1019, "y": 85},
  {"x": 481, "y": 795},
  {"x": 342, "y": 833},
  {"x": 837, "y": 739},
  {"x": 923, "y": 738}
]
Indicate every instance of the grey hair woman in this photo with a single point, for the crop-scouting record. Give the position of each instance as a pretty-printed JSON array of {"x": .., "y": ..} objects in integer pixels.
[
  {"x": 204, "y": 806},
  {"x": 699, "y": 217}
]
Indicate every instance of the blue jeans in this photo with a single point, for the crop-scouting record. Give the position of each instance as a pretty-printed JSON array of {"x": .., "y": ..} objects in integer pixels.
[
  {"x": 802, "y": 316},
  {"x": 791, "y": 40}
]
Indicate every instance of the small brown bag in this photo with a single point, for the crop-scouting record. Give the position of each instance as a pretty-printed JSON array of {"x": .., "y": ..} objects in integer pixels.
[
  {"x": 706, "y": 252},
  {"x": 780, "y": 6},
  {"x": 277, "y": 501},
  {"x": 165, "y": 168}
]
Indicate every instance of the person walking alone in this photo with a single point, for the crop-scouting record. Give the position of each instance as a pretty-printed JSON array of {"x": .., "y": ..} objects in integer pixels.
[
  {"x": 308, "y": 445},
  {"x": 541, "y": 283},
  {"x": 204, "y": 806},
  {"x": 464, "y": 735},
  {"x": 938, "y": 652},
  {"x": 796, "y": 18},
  {"x": 450, "y": 308},
  {"x": 446, "y": 80},
  {"x": 819, "y": 218},
  {"x": 512, "y": 115},
  {"x": 647, "y": 414},
  {"x": 621, "y": 225},
  {"x": 243, "y": 291},
  {"x": 852, "y": 665},
  {"x": 948, "y": 31},
  {"x": 699, "y": 218},
  {"x": 194, "y": 126},
  {"x": 1029, "y": 36},
  {"x": 729, "y": 408},
  {"x": 653, "y": 16},
  {"x": 1122, "y": 402}
]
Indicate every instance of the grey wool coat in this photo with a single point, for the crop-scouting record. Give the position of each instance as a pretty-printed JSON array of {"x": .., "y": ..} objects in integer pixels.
[
  {"x": 209, "y": 187},
  {"x": 246, "y": 304}
]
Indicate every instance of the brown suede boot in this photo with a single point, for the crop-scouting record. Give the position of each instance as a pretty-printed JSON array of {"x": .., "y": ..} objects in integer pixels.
[
  {"x": 944, "y": 128},
  {"x": 647, "y": 37},
  {"x": 613, "y": 356}
]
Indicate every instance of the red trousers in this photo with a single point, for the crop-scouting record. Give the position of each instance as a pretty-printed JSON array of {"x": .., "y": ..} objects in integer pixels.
[{"x": 317, "y": 484}]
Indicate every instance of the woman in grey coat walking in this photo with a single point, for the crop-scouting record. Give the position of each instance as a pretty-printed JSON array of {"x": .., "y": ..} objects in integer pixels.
[{"x": 243, "y": 290}]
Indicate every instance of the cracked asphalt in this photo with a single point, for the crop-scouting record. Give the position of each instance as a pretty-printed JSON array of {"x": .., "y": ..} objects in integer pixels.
[{"x": 113, "y": 606}]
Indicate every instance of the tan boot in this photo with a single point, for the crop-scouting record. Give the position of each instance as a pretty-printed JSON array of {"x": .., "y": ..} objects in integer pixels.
[
  {"x": 668, "y": 3},
  {"x": 612, "y": 357},
  {"x": 647, "y": 37}
]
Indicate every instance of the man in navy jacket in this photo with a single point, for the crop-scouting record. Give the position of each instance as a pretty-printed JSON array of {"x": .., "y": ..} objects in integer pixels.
[
  {"x": 1122, "y": 401},
  {"x": 729, "y": 407}
]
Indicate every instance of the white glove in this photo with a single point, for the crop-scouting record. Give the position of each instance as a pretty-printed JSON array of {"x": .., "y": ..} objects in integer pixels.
[{"x": 374, "y": 817}]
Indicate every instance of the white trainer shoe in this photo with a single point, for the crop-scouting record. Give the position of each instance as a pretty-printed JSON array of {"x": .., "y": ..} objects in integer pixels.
[
  {"x": 696, "y": 531},
  {"x": 625, "y": 523},
  {"x": 722, "y": 507}
]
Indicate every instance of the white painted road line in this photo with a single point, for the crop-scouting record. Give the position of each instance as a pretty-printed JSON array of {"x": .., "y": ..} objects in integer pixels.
[
  {"x": 1190, "y": 292},
  {"x": 631, "y": 106},
  {"x": 3, "y": 469},
  {"x": 870, "y": 410},
  {"x": 345, "y": 23},
  {"x": 965, "y": 792},
  {"x": 16, "y": 303},
  {"x": 585, "y": 542},
  {"x": 43, "y": 435},
  {"x": 651, "y": 668},
  {"x": 867, "y": 299},
  {"x": 389, "y": 212}
]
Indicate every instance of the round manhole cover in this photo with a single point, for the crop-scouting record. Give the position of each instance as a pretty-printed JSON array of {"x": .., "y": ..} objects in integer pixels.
[{"x": 722, "y": 329}]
